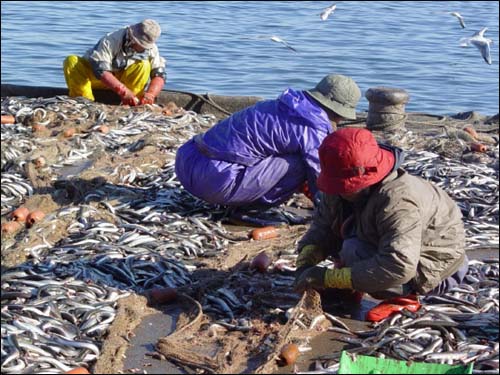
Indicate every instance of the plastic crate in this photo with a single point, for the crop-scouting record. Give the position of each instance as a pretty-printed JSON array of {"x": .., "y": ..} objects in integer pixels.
[{"x": 372, "y": 365}]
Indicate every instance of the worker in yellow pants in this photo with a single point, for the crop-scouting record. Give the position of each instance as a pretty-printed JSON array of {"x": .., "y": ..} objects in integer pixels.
[
  {"x": 122, "y": 61},
  {"x": 81, "y": 80}
]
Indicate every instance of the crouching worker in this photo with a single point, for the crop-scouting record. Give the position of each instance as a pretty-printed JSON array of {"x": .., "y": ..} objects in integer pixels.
[
  {"x": 122, "y": 61},
  {"x": 391, "y": 234},
  {"x": 260, "y": 156}
]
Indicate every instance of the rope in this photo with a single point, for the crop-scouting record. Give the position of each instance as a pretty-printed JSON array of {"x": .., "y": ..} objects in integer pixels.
[
  {"x": 207, "y": 100},
  {"x": 283, "y": 335}
]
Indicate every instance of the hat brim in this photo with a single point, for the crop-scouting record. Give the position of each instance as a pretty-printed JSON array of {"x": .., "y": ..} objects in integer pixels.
[
  {"x": 342, "y": 110},
  {"x": 141, "y": 43},
  {"x": 133, "y": 37},
  {"x": 339, "y": 185}
]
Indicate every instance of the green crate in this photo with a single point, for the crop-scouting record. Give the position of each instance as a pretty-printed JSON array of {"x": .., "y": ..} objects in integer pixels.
[{"x": 372, "y": 365}]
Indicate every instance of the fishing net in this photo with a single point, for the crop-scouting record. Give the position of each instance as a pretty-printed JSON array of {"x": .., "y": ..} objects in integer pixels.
[
  {"x": 195, "y": 345},
  {"x": 178, "y": 346},
  {"x": 304, "y": 312}
]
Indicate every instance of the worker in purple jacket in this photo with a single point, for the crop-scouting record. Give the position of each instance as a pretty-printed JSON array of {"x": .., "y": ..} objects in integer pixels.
[{"x": 260, "y": 156}]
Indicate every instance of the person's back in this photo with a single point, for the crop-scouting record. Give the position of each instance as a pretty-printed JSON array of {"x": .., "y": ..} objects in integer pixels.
[
  {"x": 409, "y": 218},
  {"x": 264, "y": 153},
  {"x": 290, "y": 124}
]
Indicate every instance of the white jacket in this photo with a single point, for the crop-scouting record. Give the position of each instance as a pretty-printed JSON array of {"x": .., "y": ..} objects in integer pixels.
[{"x": 112, "y": 53}]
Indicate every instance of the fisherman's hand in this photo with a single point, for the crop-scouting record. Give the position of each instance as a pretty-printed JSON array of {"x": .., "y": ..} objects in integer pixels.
[
  {"x": 114, "y": 84},
  {"x": 147, "y": 99},
  {"x": 299, "y": 271},
  {"x": 153, "y": 90},
  {"x": 309, "y": 255},
  {"x": 321, "y": 278},
  {"x": 128, "y": 97},
  {"x": 312, "y": 277}
]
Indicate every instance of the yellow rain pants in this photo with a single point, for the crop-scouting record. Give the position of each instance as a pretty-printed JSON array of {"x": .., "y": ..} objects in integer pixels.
[{"x": 81, "y": 80}]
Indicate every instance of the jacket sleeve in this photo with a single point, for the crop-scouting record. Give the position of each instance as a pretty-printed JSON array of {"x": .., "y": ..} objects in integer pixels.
[
  {"x": 101, "y": 58},
  {"x": 399, "y": 227},
  {"x": 324, "y": 229},
  {"x": 158, "y": 63},
  {"x": 156, "y": 60}
]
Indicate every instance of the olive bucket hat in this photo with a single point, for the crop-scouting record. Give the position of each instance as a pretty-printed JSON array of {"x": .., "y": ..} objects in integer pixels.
[
  {"x": 338, "y": 93},
  {"x": 145, "y": 33}
]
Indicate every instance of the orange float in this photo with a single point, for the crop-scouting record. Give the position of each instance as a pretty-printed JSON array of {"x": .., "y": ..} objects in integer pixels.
[
  {"x": 10, "y": 227},
  {"x": 261, "y": 262},
  {"x": 78, "y": 370},
  {"x": 469, "y": 129},
  {"x": 20, "y": 214},
  {"x": 34, "y": 217},
  {"x": 68, "y": 133},
  {"x": 104, "y": 129},
  {"x": 290, "y": 353},
  {"x": 264, "y": 233},
  {"x": 8, "y": 119},
  {"x": 38, "y": 128},
  {"x": 478, "y": 147}
]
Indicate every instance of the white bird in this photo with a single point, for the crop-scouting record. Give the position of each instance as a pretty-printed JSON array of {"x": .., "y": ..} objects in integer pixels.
[
  {"x": 480, "y": 42},
  {"x": 277, "y": 39},
  {"x": 327, "y": 11},
  {"x": 460, "y": 18}
]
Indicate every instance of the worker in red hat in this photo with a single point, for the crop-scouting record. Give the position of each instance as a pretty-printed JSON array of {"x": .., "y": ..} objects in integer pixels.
[{"x": 391, "y": 234}]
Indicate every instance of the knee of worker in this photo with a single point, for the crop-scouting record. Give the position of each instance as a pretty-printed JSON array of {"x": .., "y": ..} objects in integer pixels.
[
  {"x": 396, "y": 291},
  {"x": 452, "y": 281},
  {"x": 70, "y": 62},
  {"x": 136, "y": 76},
  {"x": 354, "y": 250},
  {"x": 389, "y": 293},
  {"x": 69, "y": 65}
]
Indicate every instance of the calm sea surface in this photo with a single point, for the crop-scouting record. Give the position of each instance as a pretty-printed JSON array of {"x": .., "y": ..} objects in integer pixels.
[{"x": 224, "y": 47}]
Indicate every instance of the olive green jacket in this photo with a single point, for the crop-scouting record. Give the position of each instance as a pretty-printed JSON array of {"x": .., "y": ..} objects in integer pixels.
[{"x": 415, "y": 226}]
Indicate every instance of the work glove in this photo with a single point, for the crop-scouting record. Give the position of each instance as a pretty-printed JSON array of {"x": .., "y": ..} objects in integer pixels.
[
  {"x": 154, "y": 89},
  {"x": 127, "y": 96},
  {"x": 310, "y": 255},
  {"x": 321, "y": 278}
]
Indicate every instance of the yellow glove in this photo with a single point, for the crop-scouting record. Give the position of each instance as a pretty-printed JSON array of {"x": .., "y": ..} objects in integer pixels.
[
  {"x": 339, "y": 278},
  {"x": 321, "y": 278},
  {"x": 310, "y": 255}
]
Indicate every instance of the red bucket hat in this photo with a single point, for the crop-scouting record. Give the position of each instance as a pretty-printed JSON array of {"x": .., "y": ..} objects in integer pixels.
[{"x": 351, "y": 160}]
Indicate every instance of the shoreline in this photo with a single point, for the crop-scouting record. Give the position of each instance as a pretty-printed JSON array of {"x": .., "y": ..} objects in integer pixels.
[{"x": 218, "y": 105}]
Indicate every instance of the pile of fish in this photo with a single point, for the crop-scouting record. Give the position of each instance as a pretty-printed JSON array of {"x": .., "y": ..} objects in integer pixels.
[
  {"x": 457, "y": 328},
  {"x": 473, "y": 186},
  {"x": 144, "y": 231},
  {"x": 57, "y": 307}
]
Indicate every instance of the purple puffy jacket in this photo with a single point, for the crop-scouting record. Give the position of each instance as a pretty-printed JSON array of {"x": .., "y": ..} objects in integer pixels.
[{"x": 260, "y": 155}]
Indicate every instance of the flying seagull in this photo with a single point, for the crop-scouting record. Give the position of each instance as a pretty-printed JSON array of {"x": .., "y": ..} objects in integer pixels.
[
  {"x": 327, "y": 11},
  {"x": 480, "y": 42},
  {"x": 277, "y": 39},
  {"x": 460, "y": 18}
]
